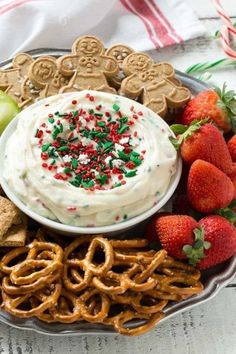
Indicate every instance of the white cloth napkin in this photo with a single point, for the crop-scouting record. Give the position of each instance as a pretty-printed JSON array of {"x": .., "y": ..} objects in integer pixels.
[{"x": 143, "y": 24}]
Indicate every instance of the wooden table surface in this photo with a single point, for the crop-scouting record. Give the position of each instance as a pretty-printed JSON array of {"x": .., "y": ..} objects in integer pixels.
[{"x": 209, "y": 328}]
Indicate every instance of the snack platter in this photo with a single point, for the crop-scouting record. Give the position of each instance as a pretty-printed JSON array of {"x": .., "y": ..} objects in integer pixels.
[{"x": 213, "y": 280}]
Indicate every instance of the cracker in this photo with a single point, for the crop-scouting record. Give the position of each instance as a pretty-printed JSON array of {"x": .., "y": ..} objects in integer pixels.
[
  {"x": 89, "y": 66},
  {"x": 44, "y": 74},
  {"x": 9, "y": 215},
  {"x": 15, "y": 236},
  {"x": 154, "y": 84},
  {"x": 119, "y": 52},
  {"x": 11, "y": 79}
]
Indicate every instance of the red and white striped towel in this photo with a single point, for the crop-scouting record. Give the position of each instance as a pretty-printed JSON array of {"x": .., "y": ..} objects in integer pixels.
[{"x": 143, "y": 24}]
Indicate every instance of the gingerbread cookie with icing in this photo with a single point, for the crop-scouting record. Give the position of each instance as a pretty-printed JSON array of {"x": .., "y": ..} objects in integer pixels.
[
  {"x": 44, "y": 73},
  {"x": 119, "y": 52},
  {"x": 89, "y": 66},
  {"x": 11, "y": 80},
  {"x": 152, "y": 83}
]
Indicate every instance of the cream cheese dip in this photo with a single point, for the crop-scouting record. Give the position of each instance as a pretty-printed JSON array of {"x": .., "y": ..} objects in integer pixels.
[{"x": 89, "y": 158}]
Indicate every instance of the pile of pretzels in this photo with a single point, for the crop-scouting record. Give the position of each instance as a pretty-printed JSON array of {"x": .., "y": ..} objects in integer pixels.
[{"x": 94, "y": 279}]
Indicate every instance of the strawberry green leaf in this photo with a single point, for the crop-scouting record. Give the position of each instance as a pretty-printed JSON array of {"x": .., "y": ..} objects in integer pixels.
[
  {"x": 187, "y": 133},
  {"x": 178, "y": 128},
  {"x": 227, "y": 213},
  {"x": 195, "y": 252},
  {"x": 227, "y": 102}
]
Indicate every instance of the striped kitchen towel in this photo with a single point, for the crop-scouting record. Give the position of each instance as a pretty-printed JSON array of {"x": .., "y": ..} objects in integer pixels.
[{"x": 143, "y": 24}]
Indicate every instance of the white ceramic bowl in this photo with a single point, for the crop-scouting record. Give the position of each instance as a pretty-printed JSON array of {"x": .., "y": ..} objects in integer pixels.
[{"x": 74, "y": 230}]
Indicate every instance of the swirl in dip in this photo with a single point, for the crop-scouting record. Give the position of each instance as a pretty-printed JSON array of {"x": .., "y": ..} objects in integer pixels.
[{"x": 89, "y": 158}]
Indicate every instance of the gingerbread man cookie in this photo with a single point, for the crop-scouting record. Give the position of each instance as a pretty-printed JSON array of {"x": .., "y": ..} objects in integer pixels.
[
  {"x": 119, "y": 52},
  {"x": 152, "y": 83},
  {"x": 44, "y": 74},
  {"x": 11, "y": 80},
  {"x": 89, "y": 66}
]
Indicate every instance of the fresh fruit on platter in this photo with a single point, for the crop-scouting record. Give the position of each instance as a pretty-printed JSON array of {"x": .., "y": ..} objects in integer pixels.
[
  {"x": 232, "y": 148},
  {"x": 206, "y": 243},
  {"x": 208, "y": 187},
  {"x": 203, "y": 141},
  {"x": 217, "y": 105},
  {"x": 175, "y": 231},
  {"x": 8, "y": 110}
]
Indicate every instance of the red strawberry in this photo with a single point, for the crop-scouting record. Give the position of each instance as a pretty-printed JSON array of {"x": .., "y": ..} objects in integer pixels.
[
  {"x": 150, "y": 232},
  {"x": 222, "y": 236},
  {"x": 174, "y": 232},
  {"x": 208, "y": 144},
  {"x": 232, "y": 176},
  {"x": 232, "y": 147},
  {"x": 208, "y": 187},
  {"x": 216, "y": 105},
  {"x": 204, "y": 244}
]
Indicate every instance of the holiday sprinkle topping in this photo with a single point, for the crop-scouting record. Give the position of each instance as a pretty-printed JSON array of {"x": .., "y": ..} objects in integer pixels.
[{"x": 92, "y": 148}]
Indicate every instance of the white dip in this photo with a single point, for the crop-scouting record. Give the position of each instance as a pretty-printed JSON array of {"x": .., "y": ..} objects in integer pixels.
[{"x": 89, "y": 158}]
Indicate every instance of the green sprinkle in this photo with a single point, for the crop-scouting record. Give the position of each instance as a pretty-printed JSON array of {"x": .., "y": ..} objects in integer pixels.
[
  {"x": 102, "y": 179},
  {"x": 55, "y": 133},
  {"x": 75, "y": 113},
  {"x": 116, "y": 107},
  {"x": 51, "y": 120},
  {"x": 131, "y": 173},
  {"x": 73, "y": 139},
  {"x": 136, "y": 160},
  {"x": 118, "y": 184},
  {"x": 53, "y": 162},
  {"x": 61, "y": 127},
  {"x": 123, "y": 129},
  {"x": 125, "y": 216},
  {"x": 124, "y": 119},
  {"x": 88, "y": 184},
  {"x": 67, "y": 170},
  {"x": 75, "y": 183},
  {"x": 123, "y": 156},
  {"x": 134, "y": 153},
  {"x": 72, "y": 127},
  {"x": 110, "y": 164},
  {"x": 63, "y": 148},
  {"x": 74, "y": 163},
  {"x": 57, "y": 113},
  {"x": 91, "y": 111},
  {"x": 101, "y": 135},
  {"x": 101, "y": 124},
  {"x": 45, "y": 147},
  {"x": 98, "y": 114},
  {"x": 52, "y": 152},
  {"x": 108, "y": 146},
  {"x": 109, "y": 119}
]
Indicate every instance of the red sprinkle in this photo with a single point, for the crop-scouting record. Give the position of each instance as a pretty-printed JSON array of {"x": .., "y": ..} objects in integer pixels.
[
  {"x": 140, "y": 113},
  {"x": 123, "y": 182},
  {"x": 44, "y": 165},
  {"x": 40, "y": 134},
  {"x": 71, "y": 208},
  {"x": 74, "y": 102},
  {"x": 91, "y": 98}
]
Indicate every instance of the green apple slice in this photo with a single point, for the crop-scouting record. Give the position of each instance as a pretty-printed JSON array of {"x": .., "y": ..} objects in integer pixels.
[{"x": 8, "y": 110}]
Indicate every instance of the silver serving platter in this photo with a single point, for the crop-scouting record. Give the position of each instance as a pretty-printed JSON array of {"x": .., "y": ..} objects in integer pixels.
[{"x": 214, "y": 279}]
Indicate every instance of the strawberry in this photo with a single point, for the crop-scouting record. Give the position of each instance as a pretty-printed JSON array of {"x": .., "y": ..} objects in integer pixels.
[
  {"x": 221, "y": 234},
  {"x": 209, "y": 242},
  {"x": 150, "y": 232},
  {"x": 208, "y": 187},
  {"x": 175, "y": 231},
  {"x": 232, "y": 147},
  {"x": 205, "y": 142},
  {"x": 217, "y": 105},
  {"x": 232, "y": 176}
]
